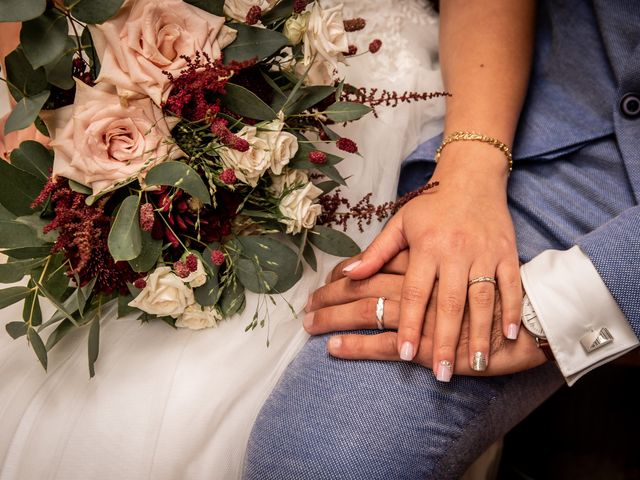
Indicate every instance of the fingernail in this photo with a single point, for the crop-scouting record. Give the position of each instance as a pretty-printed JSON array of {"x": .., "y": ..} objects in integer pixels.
[
  {"x": 351, "y": 266},
  {"x": 307, "y": 323},
  {"x": 335, "y": 342},
  {"x": 445, "y": 371},
  {"x": 479, "y": 363},
  {"x": 512, "y": 331},
  {"x": 307, "y": 307},
  {"x": 406, "y": 352}
]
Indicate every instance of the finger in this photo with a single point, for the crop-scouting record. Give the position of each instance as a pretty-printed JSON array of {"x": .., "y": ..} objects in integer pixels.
[
  {"x": 397, "y": 265},
  {"x": 452, "y": 292},
  {"x": 336, "y": 273},
  {"x": 346, "y": 290},
  {"x": 358, "y": 315},
  {"x": 481, "y": 298},
  {"x": 383, "y": 248},
  {"x": 510, "y": 286},
  {"x": 416, "y": 290},
  {"x": 364, "y": 347}
]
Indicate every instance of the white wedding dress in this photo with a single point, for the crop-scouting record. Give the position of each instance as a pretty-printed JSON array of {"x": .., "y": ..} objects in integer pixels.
[{"x": 168, "y": 404}]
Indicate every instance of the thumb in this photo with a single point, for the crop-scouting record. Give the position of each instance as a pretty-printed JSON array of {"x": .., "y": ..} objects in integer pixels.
[{"x": 384, "y": 247}]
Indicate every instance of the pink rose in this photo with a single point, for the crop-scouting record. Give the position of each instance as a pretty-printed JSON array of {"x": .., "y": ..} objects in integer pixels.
[
  {"x": 149, "y": 36},
  {"x": 98, "y": 141}
]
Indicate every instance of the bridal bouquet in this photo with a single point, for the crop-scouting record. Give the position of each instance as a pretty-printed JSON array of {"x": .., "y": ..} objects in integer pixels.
[{"x": 185, "y": 165}]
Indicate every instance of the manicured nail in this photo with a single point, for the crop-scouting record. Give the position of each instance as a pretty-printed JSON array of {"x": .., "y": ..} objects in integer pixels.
[
  {"x": 445, "y": 371},
  {"x": 351, "y": 266},
  {"x": 307, "y": 323},
  {"x": 479, "y": 363},
  {"x": 335, "y": 342},
  {"x": 307, "y": 307},
  {"x": 406, "y": 352},
  {"x": 512, "y": 331}
]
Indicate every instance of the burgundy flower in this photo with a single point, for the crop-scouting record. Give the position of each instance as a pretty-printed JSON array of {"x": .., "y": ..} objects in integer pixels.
[
  {"x": 347, "y": 145},
  {"x": 354, "y": 24},
  {"x": 299, "y": 5},
  {"x": 140, "y": 283},
  {"x": 191, "y": 262},
  {"x": 375, "y": 45},
  {"x": 181, "y": 269},
  {"x": 228, "y": 176},
  {"x": 217, "y": 257},
  {"x": 253, "y": 15},
  {"x": 147, "y": 218},
  {"x": 317, "y": 157}
]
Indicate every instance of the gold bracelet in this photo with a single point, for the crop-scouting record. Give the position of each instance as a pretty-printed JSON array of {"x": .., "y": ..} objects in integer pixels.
[{"x": 457, "y": 136}]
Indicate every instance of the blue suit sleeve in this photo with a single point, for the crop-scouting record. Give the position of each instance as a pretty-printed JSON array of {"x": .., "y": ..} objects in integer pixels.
[{"x": 614, "y": 250}]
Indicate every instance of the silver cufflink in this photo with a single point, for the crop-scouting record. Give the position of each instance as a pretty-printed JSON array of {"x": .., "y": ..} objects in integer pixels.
[{"x": 595, "y": 339}]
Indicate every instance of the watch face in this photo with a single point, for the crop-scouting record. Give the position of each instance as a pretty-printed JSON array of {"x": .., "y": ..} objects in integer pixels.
[{"x": 530, "y": 319}]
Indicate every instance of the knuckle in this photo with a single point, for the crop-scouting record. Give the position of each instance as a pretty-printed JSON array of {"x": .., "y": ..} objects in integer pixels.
[
  {"x": 446, "y": 351},
  {"x": 455, "y": 241},
  {"x": 450, "y": 304},
  {"x": 413, "y": 293},
  {"x": 360, "y": 287}
]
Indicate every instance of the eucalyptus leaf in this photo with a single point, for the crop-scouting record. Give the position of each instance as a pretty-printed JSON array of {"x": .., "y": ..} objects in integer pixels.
[
  {"x": 123, "y": 305},
  {"x": 301, "y": 158},
  {"x": 253, "y": 42},
  {"x": 212, "y": 6},
  {"x": 59, "y": 333},
  {"x": 310, "y": 256},
  {"x": 233, "y": 299},
  {"x": 15, "y": 271},
  {"x": 16, "y": 329},
  {"x": 27, "y": 253},
  {"x": 332, "y": 172},
  {"x": 6, "y": 214},
  {"x": 18, "y": 189},
  {"x": 59, "y": 70},
  {"x": 31, "y": 312},
  {"x": 246, "y": 103},
  {"x": 151, "y": 250},
  {"x": 26, "y": 80},
  {"x": 333, "y": 242},
  {"x": 273, "y": 256},
  {"x": 44, "y": 38},
  {"x": 38, "y": 346},
  {"x": 307, "y": 97},
  {"x": 327, "y": 186},
  {"x": 90, "y": 51},
  {"x": 11, "y": 295},
  {"x": 93, "y": 11},
  {"x": 346, "y": 111},
  {"x": 180, "y": 175},
  {"x": 34, "y": 158},
  {"x": 25, "y": 112},
  {"x": 37, "y": 224},
  {"x": 254, "y": 278},
  {"x": 55, "y": 281},
  {"x": 21, "y": 10},
  {"x": 94, "y": 344},
  {"x": 14, "y": 234},
  {"x": 125, "y": 236},
  {"x": 207, "y": 294},
  {"x": 79, "y": 188},
  {"x": 283, "y": 9}
]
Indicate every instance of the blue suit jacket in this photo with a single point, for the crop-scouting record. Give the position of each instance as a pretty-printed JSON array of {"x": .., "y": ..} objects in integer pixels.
[{"x": 576, "y": 177}]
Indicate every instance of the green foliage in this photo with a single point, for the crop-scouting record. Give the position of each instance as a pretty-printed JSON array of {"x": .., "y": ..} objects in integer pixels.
[
  {"x": 34, "y": 158},
  {"x": 93, "y": 11},
  {"x": 125, "y": 236},
  {"x": 179, "y": 175},
  {"x": 31, "y": 312},
  {"x": 59, "y": 333},
  {"x": 244, "y": 102},
  {"x": 307, "y": 97},
  {"x": 59, "y": 70},
  {"x": 94, "y": 344},
  {"x": 14, "y": 234},
  {"x": 253, "y": 42},
  {"x": 11, "y": 295},
  {"x": 18, "y": 189},
  {"x": 151, "y": 250},
  {"x": 273, "y": 256},
  {"x": 25, "y": 112},
  {"x": 23, "y": 79},
  {"x": 44, "y": 39},
  {"x": 233, "y": 299},
  {"x": 333, "y": 242},
  {"x": 16, "y": 270},
  {"x": 90, "y": 51},
  {"x": 346, "y": 111},
  {"x": 16, "y": 329},
  {"x": 212, "y": 6},
  {"x": 21, "y": 10},
  {"x": 283, "y": 9},
  {"x": 38, "y": 346}
]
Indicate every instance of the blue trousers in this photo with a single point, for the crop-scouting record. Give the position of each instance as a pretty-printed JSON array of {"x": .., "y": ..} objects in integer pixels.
[{"x": 335, "y": 419}]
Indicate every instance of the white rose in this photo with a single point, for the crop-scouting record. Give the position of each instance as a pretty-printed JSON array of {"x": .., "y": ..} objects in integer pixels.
[
  {"x": 196, "y": 317},
  {"x": 282, "y": 145},
  {"x": 197, "y": 278},
  {"x": 325, "y": 37},
  {"x": 295, "y": 27},
  {"x": 291, "y": 178},
  {"x": 320, "y": 73},
  {"x": 238, "y": 9},
  {"x": 299, "y": 209},
  {"x": 249, "y": 166},
  {"x": 164, "y": 294}
]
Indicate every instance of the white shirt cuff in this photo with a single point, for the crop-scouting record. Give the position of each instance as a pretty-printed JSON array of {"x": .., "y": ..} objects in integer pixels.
[{"x": 571, "y": 300}]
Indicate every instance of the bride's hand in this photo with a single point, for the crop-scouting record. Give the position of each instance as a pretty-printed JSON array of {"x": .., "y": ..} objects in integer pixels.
[
  {"x": 456, "y": 232},
  {"x": 345, "y": 304}
]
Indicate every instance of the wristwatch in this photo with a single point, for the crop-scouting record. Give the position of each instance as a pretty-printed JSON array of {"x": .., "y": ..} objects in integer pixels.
[{"x": 534, "y": 327}]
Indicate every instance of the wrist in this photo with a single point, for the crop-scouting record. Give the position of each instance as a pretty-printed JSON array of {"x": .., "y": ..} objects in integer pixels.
[{"x": 477, "y": 158}]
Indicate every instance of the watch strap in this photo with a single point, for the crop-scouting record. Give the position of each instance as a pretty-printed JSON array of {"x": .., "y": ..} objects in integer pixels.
[{"x": 543, "y": 345}]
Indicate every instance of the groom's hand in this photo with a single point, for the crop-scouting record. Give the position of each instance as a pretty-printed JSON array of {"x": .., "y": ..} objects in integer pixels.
[{"x": 345, "y": 304}]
